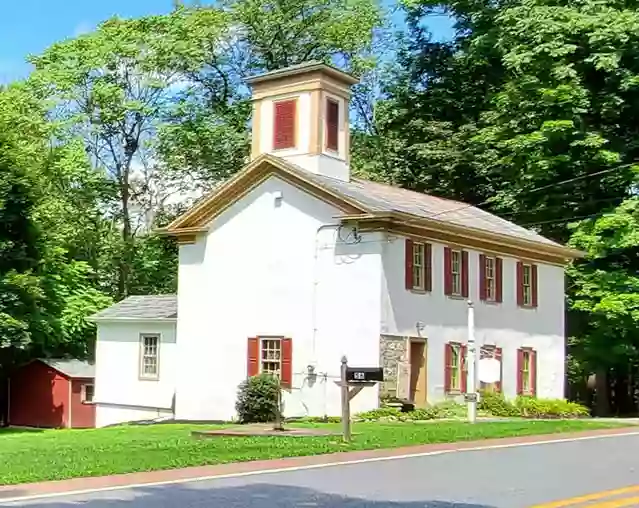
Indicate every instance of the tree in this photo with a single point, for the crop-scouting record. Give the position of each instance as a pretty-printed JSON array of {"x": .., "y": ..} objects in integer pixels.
[{"x": 113, "y": 87}]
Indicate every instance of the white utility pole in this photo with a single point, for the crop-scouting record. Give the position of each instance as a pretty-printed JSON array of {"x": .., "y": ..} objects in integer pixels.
[{"x": 471, "y": 388}]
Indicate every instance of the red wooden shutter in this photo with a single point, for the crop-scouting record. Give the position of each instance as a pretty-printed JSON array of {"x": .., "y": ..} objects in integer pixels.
[
  {"x": 284, "y": 124},
  {"x": 482, "y": 277},
  {"x": 498, "y": 356},
  {"x": 520, "y": 373},
  {"x": 533, "y": 284},
  {"x": 533, "y": 373},
  {"x": 448, "y": 355},
  {"x": 464, "y": 369},
  {"x": 332, "y": 125},
  {"x": 499, "y": 268},
  {"x": 287, "y": 363},
  {"x": 253, "y": 357},
  {"x": 464, "y": 274},
  {"x": 428, "y": 263},
  {"x": 408, "y": 264},
  {"x": 520, "y": 283},
  {"x": 448, "y": 272}
]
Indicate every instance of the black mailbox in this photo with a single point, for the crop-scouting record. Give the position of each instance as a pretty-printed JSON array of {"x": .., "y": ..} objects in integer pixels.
[{"x": 364, "y": 374}]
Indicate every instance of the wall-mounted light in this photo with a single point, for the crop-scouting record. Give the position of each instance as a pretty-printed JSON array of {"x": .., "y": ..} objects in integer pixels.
[{"x": 277, "y": 198}]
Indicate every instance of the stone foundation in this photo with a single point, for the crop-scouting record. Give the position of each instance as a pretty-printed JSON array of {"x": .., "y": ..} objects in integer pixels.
[{"x": 393, "y": 352}]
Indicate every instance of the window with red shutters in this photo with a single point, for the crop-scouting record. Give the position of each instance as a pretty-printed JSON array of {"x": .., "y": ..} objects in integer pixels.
[
  {"x": 418, "y": 266},
  {"x": 332, "y": 125},
  {"x": 490, "y": 276},
  {"x": 526, "y": 285},
  {"x": 492, "y": 352},
  {"x": 271, "y": 355},
  {"x": 284, "y": 122},
  {"x": 454, "y": 368}
]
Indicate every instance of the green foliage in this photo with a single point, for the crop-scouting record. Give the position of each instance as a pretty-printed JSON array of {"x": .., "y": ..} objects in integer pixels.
[
  {"x": 530, "y": 407},
  {"x": 257, "y": 399},
  {"x": 495, "y": 404},
  {"x": 390, "y": 413}
]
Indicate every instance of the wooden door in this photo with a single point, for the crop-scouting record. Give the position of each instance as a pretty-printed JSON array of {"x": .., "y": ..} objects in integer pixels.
[{"x": 418, "y": 372}]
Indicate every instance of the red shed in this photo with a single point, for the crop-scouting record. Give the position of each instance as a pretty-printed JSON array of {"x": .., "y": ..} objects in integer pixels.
[{"x": 52, "y": 393}]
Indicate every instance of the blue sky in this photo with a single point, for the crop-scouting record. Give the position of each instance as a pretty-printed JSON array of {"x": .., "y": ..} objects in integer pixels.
[{"x": 29, "y": 26}]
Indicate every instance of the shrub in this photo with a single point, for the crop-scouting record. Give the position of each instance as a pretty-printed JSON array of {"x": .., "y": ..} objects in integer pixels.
[
  {"x": 421, "y": 414},
  {"x": 530, "y": 407},
  {"x": 495, "y": 404},
  {"x": 318, "y": 419},
  {"x": 389, "y": 413},
  {"x": 257, "y": 399}
]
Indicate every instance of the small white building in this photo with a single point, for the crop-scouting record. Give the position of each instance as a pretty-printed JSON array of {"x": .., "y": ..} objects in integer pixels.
[{"x": 293, "y": 263}]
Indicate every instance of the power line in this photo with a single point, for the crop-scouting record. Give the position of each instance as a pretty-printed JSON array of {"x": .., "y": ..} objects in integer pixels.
[{"x": 569, "y": 219}]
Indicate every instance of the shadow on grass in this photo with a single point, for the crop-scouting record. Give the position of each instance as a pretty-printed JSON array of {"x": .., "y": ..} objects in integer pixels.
[
  {"x": 18, "y": 430},
  {"x": 258, "y": 495}
]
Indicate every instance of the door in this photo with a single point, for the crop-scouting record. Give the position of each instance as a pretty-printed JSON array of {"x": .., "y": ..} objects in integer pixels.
[{"x": 418, "y": 372}]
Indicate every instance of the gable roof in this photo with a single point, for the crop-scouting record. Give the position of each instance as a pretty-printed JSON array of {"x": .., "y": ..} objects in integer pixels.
[
  {"x": 361, "y": 200},
  {"x": 71, "y": 368},
  {"x": 140, "y": 308}
]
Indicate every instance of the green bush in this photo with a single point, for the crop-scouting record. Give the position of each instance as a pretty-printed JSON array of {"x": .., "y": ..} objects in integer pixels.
[
  {"x": 389, "y": 413},
  {"x": 421, "y": 414},
  {"x": 495, "y": 404},
  {"x": 530, "y": 407},
  {"x": 318, "y": 419},
  {"x": 257, "y": 399}
]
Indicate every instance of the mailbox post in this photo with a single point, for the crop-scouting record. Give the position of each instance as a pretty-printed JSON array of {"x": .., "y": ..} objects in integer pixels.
[{"x": 352, "y": 381}]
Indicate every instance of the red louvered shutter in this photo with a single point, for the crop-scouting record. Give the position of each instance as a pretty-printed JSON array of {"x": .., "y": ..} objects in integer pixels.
[
  {"x": 428, "y": 263},
  {"x": 499, "y": 268},
  {"x": 448, "y": 272},
  {"x": 482, "y": 277},
  {"x": 520, "y": 284},
  {"x": 520, "y": 373},
  {"x": 332, "y": 125},
  {"x": 498, "y": 356},
  {"x": 287, "y": 363},
  {"x": 284, "y": 124},
  {"x": 533, "y": 284},
  {"x": 253, "y": 357},
  {"x": 448, "y": 356},
  {"x": 464, "y": 370},
  {"x": 533, "y": 373},
  {"x": 408, "y": 264},
  {"x": 464, "y": 274}
]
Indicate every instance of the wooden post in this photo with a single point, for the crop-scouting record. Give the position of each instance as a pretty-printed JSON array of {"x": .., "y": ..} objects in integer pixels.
[
  {"x": 278, "y": 413},
  {"x": 346, "y": 409}
]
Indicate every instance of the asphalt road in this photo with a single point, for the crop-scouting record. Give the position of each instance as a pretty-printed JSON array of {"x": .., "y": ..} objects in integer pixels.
[{"x": 507, "y": 477}]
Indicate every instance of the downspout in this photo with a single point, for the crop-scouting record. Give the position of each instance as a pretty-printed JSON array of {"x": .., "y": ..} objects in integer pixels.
[{"x": 69, "y": 424}]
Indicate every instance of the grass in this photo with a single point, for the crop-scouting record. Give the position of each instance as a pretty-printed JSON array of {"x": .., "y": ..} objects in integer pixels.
[{"x": 63, "y": 454}]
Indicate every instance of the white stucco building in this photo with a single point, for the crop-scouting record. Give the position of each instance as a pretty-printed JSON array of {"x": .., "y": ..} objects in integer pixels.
[{"x": 293, "y": 263}]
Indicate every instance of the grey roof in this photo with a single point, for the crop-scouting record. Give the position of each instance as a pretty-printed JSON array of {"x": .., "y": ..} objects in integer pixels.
[
  {"x": 72, "y": 368},
  {"x": 312, "y": 65},
  {"x": 378, "y": 197},
  {"x": 141, "y": 307}
]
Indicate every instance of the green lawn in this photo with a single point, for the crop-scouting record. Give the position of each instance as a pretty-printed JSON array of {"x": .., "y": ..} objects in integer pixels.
[{"x": 61, "y": 454}]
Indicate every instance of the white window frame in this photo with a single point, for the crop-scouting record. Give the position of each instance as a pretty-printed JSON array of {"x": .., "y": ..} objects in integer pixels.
[
  {"x": 490, "y": 278},
  {"x": 526, "y": 285},
  {"x": 419, "y": 266},
  {"x": 455, "y": 382},
  {"x": 526, "y": 375},
  {"x": 142, "y": 374},
  {"x": 83, "y": 393},
  {"x": 264, "y": 347},
  {"x": 456, "y": 277}
]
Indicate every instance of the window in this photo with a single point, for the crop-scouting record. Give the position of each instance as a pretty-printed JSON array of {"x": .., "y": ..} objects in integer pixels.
[
  {"x": 418, "y": 267},
  {"x": 149, "y": 356},
  {"x": 332, "y": 125},
  {"x": 527, "y": 372},
  {"x": 456, "y": 272},
  {"x": 87, "y": 393},
  {"x": 284, "y": 124},
  {"x": 271, "y": 356},
  {"x": 526, "y": 284},
  {"x": 490, "y": 351},
  {"x": 489, "y": 273},
  {"x": 455, "y": 368}
]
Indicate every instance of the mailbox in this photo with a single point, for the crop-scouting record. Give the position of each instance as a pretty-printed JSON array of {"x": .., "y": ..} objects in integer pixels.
[{"x": 364, "y": 374}]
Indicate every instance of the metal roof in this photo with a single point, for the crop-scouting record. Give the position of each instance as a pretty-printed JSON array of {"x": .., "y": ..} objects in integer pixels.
[
  {"x": 140, "y": 307},
  {"x": 71, "y": 368}
]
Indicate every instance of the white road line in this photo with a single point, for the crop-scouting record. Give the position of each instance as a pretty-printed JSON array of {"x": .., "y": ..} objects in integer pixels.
[{"x": 22, "y": 499}]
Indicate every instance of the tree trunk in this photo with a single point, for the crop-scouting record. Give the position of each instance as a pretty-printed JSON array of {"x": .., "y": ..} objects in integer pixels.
[
  {"x": 602, "y": 400},
  {"x": 125, "y": 259}
]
